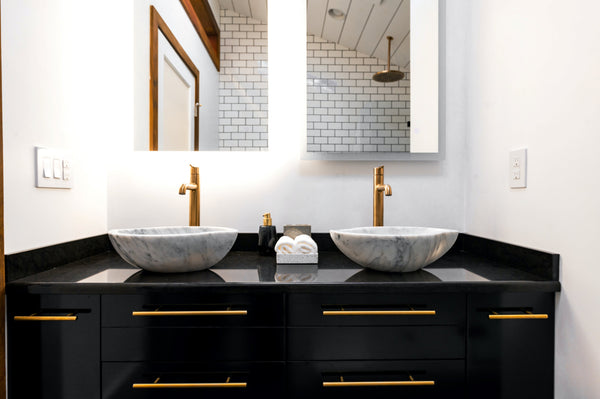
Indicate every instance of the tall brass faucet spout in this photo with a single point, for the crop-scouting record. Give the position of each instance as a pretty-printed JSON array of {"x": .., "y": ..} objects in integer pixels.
[
  {"x": 194, "y": 188},
  {"x": 379, "y": 190}
]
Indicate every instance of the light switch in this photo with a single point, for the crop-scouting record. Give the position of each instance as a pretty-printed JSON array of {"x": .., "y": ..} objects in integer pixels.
[
  {"x": 53, "y": 168},
  {"x": 518, "y": 168},
  {"x": 47, "y": 165},
  {"x": 57, "y": 168},
  {"x": 66, "y": 169}
]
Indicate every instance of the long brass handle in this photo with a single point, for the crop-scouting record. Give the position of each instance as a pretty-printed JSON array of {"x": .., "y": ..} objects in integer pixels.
[
  {"x": 525, "y": 315},
  {"x": 193, "y": 385},
  {"x": 376, "y": 383},
  {"x": 378, "y": 312},
  {"x": 191, "y": 313},
  {"x": 517, "y": 316},
  {"x": 36, "y": 317}
]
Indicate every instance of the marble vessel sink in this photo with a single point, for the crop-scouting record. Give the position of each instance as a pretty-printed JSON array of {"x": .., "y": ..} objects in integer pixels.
[
  {"x": 394, "y": 248},
  {"x": 173, "y": 249}
]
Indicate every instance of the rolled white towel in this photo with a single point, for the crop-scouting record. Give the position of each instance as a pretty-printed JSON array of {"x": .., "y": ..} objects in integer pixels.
[
  {"x": 303, "y": 244},
  {"x": 285, "y": 245}
]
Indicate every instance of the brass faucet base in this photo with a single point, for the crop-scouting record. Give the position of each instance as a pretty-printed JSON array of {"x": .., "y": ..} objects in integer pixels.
[
  {"x": 379, "y": 190},
  {"x": 194, "y": 188}
]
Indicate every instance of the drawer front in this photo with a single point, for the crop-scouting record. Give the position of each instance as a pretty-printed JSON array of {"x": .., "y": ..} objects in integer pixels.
[
  {"x": 371, "y": 379},
  {"x": 199, "y": 380},
  {"x": 358, "y": 342},
  {"x": 53, "y": 346},
  {"x": 510, "y": 345},
  {"x": 192, "y": 343},
  {"x": 185, "y": 310},
  {"x": 375, "y": 309}
]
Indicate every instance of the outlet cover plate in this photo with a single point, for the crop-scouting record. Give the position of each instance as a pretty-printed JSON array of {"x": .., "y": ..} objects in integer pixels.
[{"x": 517, "y": 166}]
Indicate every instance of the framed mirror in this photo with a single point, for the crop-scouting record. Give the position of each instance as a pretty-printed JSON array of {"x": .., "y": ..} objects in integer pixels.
[
  {"x": 208, "y": 74},
  {"x": 372, "y": 80}
]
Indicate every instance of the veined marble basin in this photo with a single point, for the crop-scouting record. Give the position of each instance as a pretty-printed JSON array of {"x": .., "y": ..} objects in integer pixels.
[
  {"x": 173, "y": 249},
  {"x": 394, "y": 248}
]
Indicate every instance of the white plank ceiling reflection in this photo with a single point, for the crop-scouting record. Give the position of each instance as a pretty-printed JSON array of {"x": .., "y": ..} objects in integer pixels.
[
  {"x": 364, "y": 29},
  {"x": 366, "y": 26},
  {"x": 256, "y": 9}
]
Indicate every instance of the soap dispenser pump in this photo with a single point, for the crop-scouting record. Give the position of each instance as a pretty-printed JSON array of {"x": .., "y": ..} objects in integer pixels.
[{"x": 267, "y": 236}]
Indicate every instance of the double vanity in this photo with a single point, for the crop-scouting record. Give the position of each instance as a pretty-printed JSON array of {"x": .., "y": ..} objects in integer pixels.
[{"x": 478, "y": 322}]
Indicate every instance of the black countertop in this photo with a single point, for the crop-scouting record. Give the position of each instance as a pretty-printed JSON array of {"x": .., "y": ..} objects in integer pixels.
[{"x": 464, "y": 268}]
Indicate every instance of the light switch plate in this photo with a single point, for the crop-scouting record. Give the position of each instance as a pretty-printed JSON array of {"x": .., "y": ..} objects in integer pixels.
[
  {"x": 53, "y": 168},
  {"x": 517, "y": 168}
]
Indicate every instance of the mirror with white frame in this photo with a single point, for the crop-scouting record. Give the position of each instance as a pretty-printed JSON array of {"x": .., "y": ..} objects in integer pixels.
[{"x": 372, "y": 80}]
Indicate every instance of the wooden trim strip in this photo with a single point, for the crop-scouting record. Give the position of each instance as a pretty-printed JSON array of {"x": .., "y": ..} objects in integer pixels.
[
  {"x": 2, "y": 270},
  {"x": 158, "y": 24},
  {"x": 203, "y": 20}
]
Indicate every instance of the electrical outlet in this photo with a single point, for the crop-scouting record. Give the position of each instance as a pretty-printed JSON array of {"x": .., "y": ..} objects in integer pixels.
[{"x": 518, "y": 168}]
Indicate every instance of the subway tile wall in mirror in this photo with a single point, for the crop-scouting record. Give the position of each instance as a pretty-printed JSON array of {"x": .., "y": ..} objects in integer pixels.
[
  {"x": 347, "y": 110},
  {"x": 243, "y": 86}
]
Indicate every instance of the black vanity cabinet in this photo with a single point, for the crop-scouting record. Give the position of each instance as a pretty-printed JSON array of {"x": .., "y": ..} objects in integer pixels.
[
  {"x": 510, "y": 345},
  {"x": 53, "y": 346},
  {"x": 219, "y": 345},
  {"x": 281, "y": 341},
  {"x": 378, "y": 345}
]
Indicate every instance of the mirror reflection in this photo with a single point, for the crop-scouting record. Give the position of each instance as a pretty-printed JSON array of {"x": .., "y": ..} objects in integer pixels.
[
  {"x": 208, "y": 85},
  {"x": 358, "y": 85}
]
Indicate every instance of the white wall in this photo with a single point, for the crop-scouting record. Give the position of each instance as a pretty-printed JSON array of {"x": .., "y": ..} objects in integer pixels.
[
  {"x": 533, "y": 81},
  {"x": 66, "y": 73},
  {"x": 236, "y": 188}
]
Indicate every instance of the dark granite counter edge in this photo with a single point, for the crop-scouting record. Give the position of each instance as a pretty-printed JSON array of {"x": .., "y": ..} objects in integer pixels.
[{"x": 207, "y": 288}]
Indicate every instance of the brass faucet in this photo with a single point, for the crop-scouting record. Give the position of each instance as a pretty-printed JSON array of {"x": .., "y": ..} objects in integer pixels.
[
  {"x": 194, "y": 187},
  {"x": 379, "y": 189}
]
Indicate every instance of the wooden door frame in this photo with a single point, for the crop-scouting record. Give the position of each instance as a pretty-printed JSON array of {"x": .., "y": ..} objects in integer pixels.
[
  {"x": 158, "y": 24},
  {"x": 2, "y": 274}
]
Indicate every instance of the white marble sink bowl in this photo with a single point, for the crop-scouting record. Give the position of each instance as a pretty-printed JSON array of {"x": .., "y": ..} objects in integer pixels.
[
  {"x": 173, "y": 249},
  {"x": 394, "y": 248}
]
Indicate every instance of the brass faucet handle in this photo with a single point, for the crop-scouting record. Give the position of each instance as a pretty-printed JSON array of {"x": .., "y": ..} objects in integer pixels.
[
  {"x": 184, "y": 187},
  {"x": 386, "y": 188}
]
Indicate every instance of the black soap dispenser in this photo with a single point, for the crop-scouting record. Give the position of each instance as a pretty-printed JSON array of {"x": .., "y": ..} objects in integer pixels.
[{"x": 267, "y": 236}]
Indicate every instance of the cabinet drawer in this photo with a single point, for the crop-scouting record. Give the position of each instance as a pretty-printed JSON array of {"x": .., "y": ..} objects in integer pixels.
[
  {"x": 362, "y": 342},
  {"x": 375, "y": 309},
  {"x": 198, "y": 380},
  {"x": 192, "y": 310},
  {"x": 510, "y": 345},
  {"x": 192, "y": 343},
  {"x": 370, "y": 379},
  {"x": 53, "y": 346}
]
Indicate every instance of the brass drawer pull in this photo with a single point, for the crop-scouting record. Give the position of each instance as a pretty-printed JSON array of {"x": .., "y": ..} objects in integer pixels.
[
  {"x": 377, "y": 383},
  {"x": 194, "y": 385},
  {"x": 379, "y": 313},
  {"x": 517, "y": 316},
  {"x": 191, "y": 313},
  {"x": 225, "y": 384},
  {"x": 343, "y": 383},
  {"x": 36, "y": 317},
  {"x": 526, "y": 315}
]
